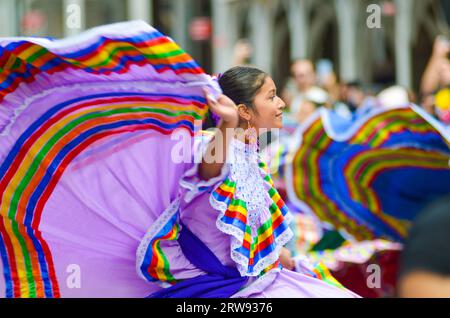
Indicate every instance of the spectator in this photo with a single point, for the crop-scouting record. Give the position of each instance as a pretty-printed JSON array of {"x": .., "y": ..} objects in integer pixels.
[
  {"x": 352, "y": 95},
  {"x": 437, "y": 72},
  {"x": 242, "y": 53},
  {"x": 304, "y": 82},
  {"x": 436, "y": 78},
  {"x": 311, "y": 100}
]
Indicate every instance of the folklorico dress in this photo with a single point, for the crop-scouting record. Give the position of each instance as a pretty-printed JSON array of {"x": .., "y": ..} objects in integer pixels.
[
  {"x": 222, "y": 237},
  {"x": 91, "y": 202}
]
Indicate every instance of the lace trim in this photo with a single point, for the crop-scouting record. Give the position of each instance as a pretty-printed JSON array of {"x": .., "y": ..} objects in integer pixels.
[
  {"x": 154, "y": 229},
  {"x": 237, "y": 239},
  {"x": 236, "y": 233}
]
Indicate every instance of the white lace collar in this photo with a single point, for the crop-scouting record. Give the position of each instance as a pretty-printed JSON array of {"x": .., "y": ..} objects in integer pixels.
[
  {"x": 250, "y": 185},
  {"x": 240, "y": 151},
  {"x": 248, "y": 182},
  {"x": 244, "y": 196}
]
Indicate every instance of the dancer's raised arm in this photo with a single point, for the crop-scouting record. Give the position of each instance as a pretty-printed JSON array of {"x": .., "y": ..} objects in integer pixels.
[{"x": 217, "y": 148}]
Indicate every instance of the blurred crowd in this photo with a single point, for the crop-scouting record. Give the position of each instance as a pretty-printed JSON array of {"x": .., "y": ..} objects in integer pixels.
[{"x": 313, "y": 85}]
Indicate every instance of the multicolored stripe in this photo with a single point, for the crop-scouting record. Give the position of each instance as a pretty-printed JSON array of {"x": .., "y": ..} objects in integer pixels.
[
  {"x": 307, "y": 175},
  {"x": 21, "y": 61},
  {"x": 31, "y": 169},
  {"x": 255, "y": 247},
  {"x": 155, "y": 265},
  {"x": 338, "y": 179},
  {"x": 277, "y": 264},
  {"x": 320, "y": 271},
  {"x": 382, "y": 129},
  {"x": 363, "y": 170},
  {"x": 38, "y": 159}
]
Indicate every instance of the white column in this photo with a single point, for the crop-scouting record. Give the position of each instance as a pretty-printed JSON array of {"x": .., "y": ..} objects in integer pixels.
[
  {"x": 298, "y": 17},
  {"x": 74, "y": 16},
  {"x": 180, "y": 30},
  {"x": 262, "y": 34},
  {"x": 366, "y": 51},
  {"x": 140, "y": 10},
  {"x": 403, "y": 22},
  {"x": 8, "y": 22},
  {"x": 225, "y": 24},
  {"x": 347, "y": 17}
]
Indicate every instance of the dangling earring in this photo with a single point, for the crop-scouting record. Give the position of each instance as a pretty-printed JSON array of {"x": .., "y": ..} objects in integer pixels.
[{"x": 251, "y": 135}]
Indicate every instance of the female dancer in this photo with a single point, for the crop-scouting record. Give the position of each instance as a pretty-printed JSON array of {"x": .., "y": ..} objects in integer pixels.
[
  {"x": 91, "y": 199},
  {"x": 233, "y": 222}
]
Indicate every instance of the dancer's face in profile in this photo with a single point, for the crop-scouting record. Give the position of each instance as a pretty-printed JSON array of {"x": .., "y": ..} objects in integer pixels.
[{"x": 269, "y": 107}]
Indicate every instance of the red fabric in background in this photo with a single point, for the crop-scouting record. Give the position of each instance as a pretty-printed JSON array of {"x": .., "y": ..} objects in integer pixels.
[{"x": 354, "y": 276}]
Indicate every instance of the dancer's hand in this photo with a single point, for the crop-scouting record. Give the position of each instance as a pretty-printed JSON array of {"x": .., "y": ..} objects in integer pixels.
[
  {"x": 223, "y": 107},
  {"x": 286, "y": 259}
]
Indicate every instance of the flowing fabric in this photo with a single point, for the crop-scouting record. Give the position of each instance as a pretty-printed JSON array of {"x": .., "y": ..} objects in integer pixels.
[
  {"x": 368, "y": 178},
  {"x": 371, "y": 179},
  {"x": 95, "y": 136},
  {"x": 219, "y": 282},
  {"x": 86, "y": 155}
]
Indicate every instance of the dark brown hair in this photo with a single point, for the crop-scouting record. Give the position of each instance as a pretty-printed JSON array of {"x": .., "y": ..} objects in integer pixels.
[{"x": 242, "y": 83}]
